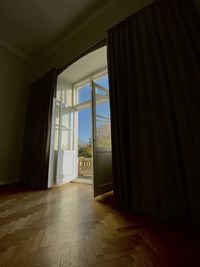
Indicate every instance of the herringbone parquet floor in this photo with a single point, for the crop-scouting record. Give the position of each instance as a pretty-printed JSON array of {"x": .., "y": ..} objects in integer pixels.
[{"x": 65, "y": 226}]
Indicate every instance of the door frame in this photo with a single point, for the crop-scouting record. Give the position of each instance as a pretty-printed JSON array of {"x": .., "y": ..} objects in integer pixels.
[
  {"x": 75, "y": 86},
  {"x": 78, "y": 106}
]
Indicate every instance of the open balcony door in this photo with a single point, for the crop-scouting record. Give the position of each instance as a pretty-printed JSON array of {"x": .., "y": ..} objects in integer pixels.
[
  {"x": 63, "y": 152},
  {"x": 102, "y": 153}
]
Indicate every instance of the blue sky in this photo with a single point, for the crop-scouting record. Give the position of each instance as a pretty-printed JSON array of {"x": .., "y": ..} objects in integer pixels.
[{"x": 85, "y": 116}]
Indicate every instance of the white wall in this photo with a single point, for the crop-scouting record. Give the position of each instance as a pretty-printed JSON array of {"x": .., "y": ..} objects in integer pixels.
[{"x": 15, "y": 77}]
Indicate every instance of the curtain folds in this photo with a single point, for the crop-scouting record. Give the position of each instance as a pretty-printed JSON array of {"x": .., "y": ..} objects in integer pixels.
[
  {"x": 154, "y": 73},
  {"x": 37, "y": 132}
]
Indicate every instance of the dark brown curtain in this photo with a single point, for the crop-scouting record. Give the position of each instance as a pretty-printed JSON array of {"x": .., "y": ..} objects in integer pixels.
[
  {"x": 37, "y": 133},
  {"x": 154, "y": 72}
]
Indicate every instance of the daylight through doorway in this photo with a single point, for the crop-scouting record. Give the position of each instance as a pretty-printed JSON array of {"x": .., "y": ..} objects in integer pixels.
[{"x": 81, "y": 133}]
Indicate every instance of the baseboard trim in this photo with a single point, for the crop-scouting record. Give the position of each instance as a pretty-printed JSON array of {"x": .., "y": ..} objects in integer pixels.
[{"x": 9, "y": 182}]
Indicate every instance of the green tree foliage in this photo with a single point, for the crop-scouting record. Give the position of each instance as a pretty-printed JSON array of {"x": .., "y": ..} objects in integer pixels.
[
  {"x": 103, "y": 140},
  {"x": 85, "y": 149}
]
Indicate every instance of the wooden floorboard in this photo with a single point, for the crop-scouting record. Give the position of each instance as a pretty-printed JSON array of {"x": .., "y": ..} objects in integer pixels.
[{"x": 66, "y": 226}]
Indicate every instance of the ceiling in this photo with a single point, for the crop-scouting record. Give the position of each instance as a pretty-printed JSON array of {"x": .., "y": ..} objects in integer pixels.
[
  {"x": 83, "y": 67},
  {"x": 37, "y": 25}
]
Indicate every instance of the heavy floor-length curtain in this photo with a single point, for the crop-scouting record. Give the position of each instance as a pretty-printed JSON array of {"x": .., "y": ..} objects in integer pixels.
[
  {"x": 154, "y": 73},
  {"x": 36, "y": 152}
]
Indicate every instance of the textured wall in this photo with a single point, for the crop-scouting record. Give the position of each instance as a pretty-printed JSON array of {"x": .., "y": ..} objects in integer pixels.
[{"x": 14, "y": 82}]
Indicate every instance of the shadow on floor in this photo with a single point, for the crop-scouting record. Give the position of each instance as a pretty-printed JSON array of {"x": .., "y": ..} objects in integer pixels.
[{"x": 13, "y": 188}]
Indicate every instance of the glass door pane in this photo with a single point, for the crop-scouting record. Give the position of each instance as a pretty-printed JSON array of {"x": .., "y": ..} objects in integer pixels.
[{"x": 67, "y": 150}]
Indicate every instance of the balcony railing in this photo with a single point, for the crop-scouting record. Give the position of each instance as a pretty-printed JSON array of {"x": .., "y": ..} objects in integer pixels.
[{"x": 85, "y": 167}]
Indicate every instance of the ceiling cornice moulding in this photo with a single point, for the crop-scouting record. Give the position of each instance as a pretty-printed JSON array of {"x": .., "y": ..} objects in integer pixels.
[
  {"x": 29, "y": 57},
  {"x": 77, "y": 29},
  {"x": 15, "y": 49}
]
